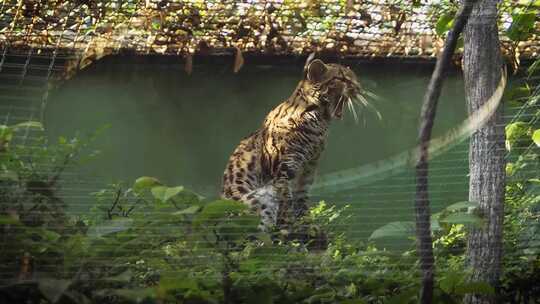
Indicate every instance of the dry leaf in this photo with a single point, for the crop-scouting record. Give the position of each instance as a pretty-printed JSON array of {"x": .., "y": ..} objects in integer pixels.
[
  {"x": 26, "y": 267},
  {"x": 350, "y": 6},
  {"x": 93, "y": 55},
  {"x": 71, "y": 67},
  {"x": 188, "y": 67},
  {"x": 238, "y": 60}
]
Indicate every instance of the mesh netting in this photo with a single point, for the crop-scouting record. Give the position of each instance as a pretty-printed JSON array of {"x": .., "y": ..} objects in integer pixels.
[
  {"x": 345, "y": 28},
  {"x": 42, "y": 42}
]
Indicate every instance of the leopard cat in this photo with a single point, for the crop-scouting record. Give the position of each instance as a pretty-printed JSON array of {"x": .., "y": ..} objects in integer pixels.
[{"x": 271, "y": 169}]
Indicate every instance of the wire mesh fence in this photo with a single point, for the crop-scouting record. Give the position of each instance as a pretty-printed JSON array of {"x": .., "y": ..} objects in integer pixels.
[
  {"x": 384, "y": 200},
  {"x": 38, "y": 53}
]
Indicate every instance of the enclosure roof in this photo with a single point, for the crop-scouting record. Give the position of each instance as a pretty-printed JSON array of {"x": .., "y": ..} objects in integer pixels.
[{"x": 355, "y": 28}]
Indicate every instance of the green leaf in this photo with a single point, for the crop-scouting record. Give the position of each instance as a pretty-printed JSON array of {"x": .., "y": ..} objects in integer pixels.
[
  {"x": 28, "y": 125},
  {"x": 512, "y": 168},
  {"x": 188, "y": 197},
  {"x": 515, "y": 133},
  {"x": 465, "y": 205},
  {"x": 261, "y": 296},
  {"x": 460, "y": 43},
  {"x": 263, "y": 237},
  {"x": 535, "y": 67},
  {"x": 219, "y": 209},
  {"x": 358, "y": 301},
  {"x": 450, "y": 280},
  {"x": 135, "y": 295},
  {"x": 248, "y": 222},
  {"x": 261, "y": 257},
  {"x": 156, "y": 25},
  {"x": 77, "y": 297},
  {"x": 475, "y": 287},
  {"x": 239, "y": 227},
  {"x": 445, "y": 22},
  {"x": 176, "y": 281},
  {"x": 163, "y": 193},
  {"x": 463, "y": 218},
  {"x": 111, "y": 226},
  {"x": 407, "y": 296},
  {"x": 516, "y": 130},
  {"x": 188, "y": 211},
  {"x": 75, "y": 248},
  {"x": 123, "y": 277},
  {"x": 49, "y": 236},
  {"x": 324, "y": 294},
  {"x": 522, "y": 26},
  {"x": 394, "y": 230},
  {"x": 9, "y": 175},
  {"x": 517, "y": 92},
  {"x": 6, "y": 133},
  {"x": 435, "y": 226},
  {"x": 536, "y": 137},
  {"x": 9, "y": 220},
  {"x": 53, "y": 289},
  {"x": 145, "y": 182}
]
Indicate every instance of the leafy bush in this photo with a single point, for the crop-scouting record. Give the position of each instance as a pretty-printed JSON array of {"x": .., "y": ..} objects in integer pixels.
[
  {"x": 522, "y": 208},
  {"x": 152, "y": 242}
]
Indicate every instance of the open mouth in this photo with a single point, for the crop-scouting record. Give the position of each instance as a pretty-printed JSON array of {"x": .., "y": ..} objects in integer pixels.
[{"x": 340, "y": 105}]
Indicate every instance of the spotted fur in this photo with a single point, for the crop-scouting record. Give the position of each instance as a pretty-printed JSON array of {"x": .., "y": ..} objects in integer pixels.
[{"x": 271, "y": 169}]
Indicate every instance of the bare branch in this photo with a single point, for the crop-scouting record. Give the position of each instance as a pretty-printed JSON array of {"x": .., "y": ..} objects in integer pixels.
[
  {"x": 115, "y": 203},
  {"x": 429, "y": 107}
]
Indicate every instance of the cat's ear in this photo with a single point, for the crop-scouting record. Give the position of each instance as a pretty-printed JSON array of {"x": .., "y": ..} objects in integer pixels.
[{"x": 316, "y": 70}]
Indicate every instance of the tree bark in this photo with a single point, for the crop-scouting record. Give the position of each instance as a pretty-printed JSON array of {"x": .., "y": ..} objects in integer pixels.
[{"x": 482, "y": 71}]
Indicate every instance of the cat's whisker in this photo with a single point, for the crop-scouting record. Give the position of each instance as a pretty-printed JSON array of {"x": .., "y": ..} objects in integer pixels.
[
  {"x": 371, "y": 95},
  {"x": 362, "y": 100},
  {"x": 338, "y": 106},
  {"x": 351, "y": 107}
]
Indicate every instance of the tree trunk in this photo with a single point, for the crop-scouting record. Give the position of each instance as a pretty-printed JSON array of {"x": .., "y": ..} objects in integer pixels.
[{"x": 482, "y": 71}]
